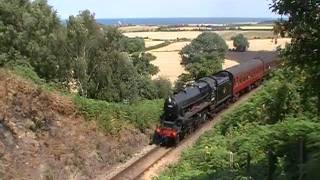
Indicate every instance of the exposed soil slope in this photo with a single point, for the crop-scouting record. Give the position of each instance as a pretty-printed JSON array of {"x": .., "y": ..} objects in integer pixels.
[{"x": 42, "y": 136}]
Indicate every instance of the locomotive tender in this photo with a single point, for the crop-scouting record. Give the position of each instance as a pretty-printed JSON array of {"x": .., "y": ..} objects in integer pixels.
[{"x": 185, "y": 110}]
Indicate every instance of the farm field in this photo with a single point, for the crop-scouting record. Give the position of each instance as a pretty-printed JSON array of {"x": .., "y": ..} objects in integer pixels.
[
  {"x": 138, "y": 28},
  {"x": 193, "y": 34},
  {"x": 168, "y": 58},
  {"x": 149, "y": 43},
  {"x": 253, "y": 27}
]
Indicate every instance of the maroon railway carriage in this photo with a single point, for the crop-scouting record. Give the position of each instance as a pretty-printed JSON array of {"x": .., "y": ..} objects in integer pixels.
[
  {"x": 270, "y": 63},
  {"x": 246, "y": 75}
]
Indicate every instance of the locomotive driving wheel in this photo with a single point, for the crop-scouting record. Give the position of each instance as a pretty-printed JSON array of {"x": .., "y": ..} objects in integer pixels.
[
  {"x": 177, "y": 140},
  {"x": 204, "y": 117}
]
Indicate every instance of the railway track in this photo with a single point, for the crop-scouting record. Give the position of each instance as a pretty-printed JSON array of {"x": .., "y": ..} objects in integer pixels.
[{"x": 137, "y": 169}]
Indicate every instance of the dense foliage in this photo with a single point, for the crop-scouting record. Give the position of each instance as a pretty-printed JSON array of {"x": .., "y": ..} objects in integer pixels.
[
  {"x": 30, "y": 34},
  {"x": 272, "y": 120},
  {"x": 202, "y": 57},
  {"x": 97, "y": 61},
  {"x": 276, "y": 134},
  {"x": 240, "y": 42},
  {"x": 304, "y": 51},
  {"x": 113, "y": 117}
]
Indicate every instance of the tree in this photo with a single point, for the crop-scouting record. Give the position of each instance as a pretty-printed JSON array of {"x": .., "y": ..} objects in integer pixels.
[
  {"x": 107, "y": 65},
  {"x": 132, "y": 45},
  {"x": 163, "y": 87},
  {"x": 30, "y": 33},
  {"x": 303, "y": 27},
  {"x": 99, "y": 60},
  {"x": 142, "y": 62},
  {"x": 240, "y": 42},
  {"x": 203, "y": 57},
  {"x": 183, "y": 79},
  {"x": 302, "y": 56},
  {"x": 206, "y": 44},
  {"x": 99, "y": 67}
]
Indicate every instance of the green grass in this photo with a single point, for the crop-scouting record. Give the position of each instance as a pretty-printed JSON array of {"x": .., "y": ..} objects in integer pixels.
[
  {"x": 27, "y": 73},
  {"x": 113, "y": 117}
]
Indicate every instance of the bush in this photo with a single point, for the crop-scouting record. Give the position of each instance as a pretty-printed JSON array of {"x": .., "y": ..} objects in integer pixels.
[
  {"x": 27, "y": 73},
  {"x": 163, "y": 87},
  {"x": 240, "y": 42},
  {"x": 203, "y": 56},
  {"x": 206, "y": 45},
  {"x": 113, "y": 117}
]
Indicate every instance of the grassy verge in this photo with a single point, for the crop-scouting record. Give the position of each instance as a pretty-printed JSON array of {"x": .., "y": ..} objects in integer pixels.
[
  {"x": 112, "y": 117},
  {"x": 30, "y": 75}
]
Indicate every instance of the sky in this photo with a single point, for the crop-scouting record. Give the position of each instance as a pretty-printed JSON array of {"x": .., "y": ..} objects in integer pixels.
[{"x": 164, "y": 8}]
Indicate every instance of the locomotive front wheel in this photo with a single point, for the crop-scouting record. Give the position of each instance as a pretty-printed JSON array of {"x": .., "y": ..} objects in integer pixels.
[
  {"x": 177, "y": 140},
  {"x": 204, "y": 118},
  {"x": 156, "y": 139}
]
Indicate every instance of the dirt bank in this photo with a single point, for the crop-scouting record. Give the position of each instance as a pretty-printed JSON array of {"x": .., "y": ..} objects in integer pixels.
[{"x": 43, "y": 137}]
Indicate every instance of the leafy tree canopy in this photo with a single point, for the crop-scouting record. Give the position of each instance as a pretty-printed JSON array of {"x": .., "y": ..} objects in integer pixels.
[
  {"x": 303, "y": 27},
  {"x": 207, "y": 45},
  {"x": 132, "y": 45},
  {"x": 240, "y": 42},
  {"x": 142, "y": 62},
  {"x": 203, "y": 57},
  {"x": 98, "y": 61}
]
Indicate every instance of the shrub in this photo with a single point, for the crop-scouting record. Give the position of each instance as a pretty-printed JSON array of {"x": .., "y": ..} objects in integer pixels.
[
  {"x": 240, "y": 42},
  {"x": 163, "y": 87},
  {"x": 113, "y": 117}
]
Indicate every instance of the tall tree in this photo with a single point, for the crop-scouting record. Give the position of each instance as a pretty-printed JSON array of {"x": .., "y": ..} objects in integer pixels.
[
  {"x": 303, "y": 27},
  {"x": 302, "y": 56},
  {"x": 142, "y": 62},
  {"x": 30, "y": 34},
  {"x": 240, "y": 42},
  {"x": 204, "y": 56}
]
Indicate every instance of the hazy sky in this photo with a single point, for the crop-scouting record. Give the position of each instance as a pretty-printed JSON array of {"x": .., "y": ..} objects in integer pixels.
[{"x": 164, "y": 8}]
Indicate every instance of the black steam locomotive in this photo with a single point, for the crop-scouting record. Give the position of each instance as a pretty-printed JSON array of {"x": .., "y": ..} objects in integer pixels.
[{"x": 185, "y": 110}]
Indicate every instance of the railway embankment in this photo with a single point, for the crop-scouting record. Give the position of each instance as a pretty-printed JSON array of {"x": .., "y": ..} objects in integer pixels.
[{"x": 46, "y": 134}]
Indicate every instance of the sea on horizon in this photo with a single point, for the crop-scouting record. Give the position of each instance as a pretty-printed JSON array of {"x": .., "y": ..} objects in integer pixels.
[{"x": 184, "y": 21}]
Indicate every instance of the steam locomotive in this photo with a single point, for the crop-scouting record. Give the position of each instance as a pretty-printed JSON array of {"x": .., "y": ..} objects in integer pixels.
[{"x": 185, "y": 110}]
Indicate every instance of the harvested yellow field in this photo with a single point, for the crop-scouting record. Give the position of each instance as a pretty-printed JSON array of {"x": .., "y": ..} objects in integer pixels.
[
  {"x": 168, "y": 58},
  {"x": 149, "y": 43},
  {"x": 229, "y": 63},
  {"x": 169, "y": 64},
  {"x": 137, "y": 28},
  {"x": 165, "y": 35},
  {"x": 257, "y": 27},
  {"x": 264, "y": 44},
  {"x": 172, "y": 47},
  {"x": 193, "y": 34},
  {"x": 267, "y": 45}
]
